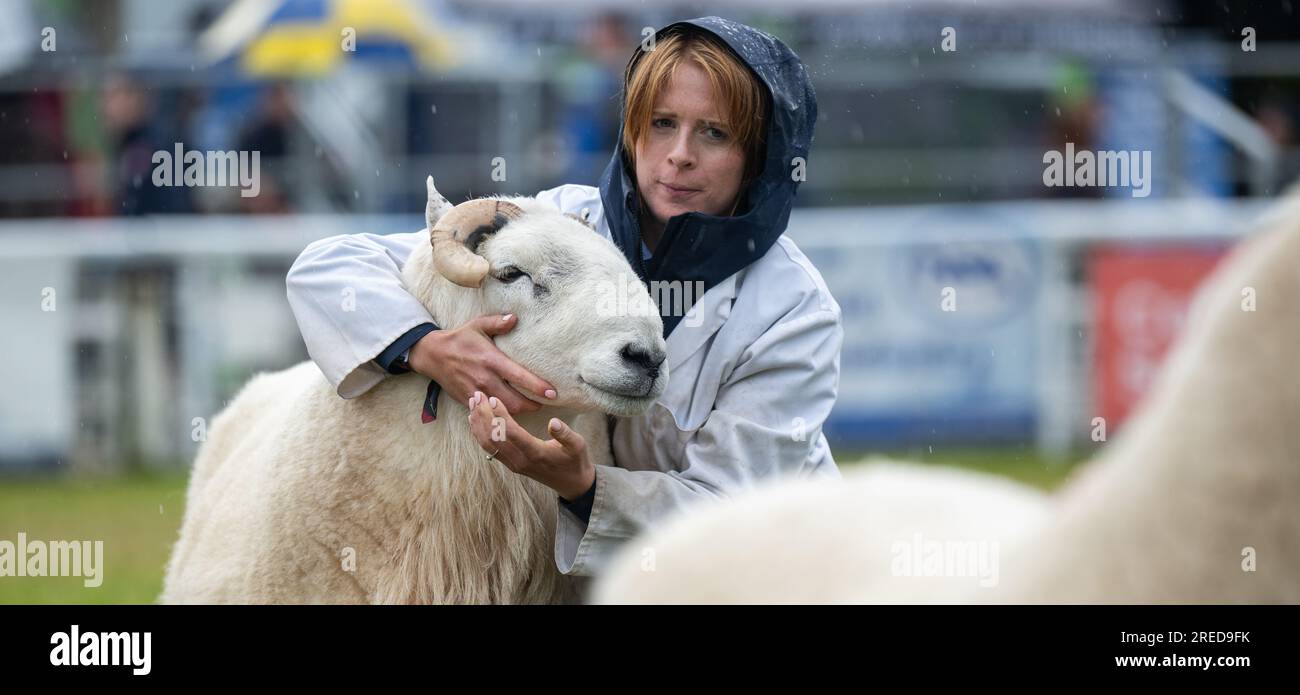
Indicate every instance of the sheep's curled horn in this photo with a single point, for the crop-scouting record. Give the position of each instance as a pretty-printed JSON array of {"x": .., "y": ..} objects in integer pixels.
[{"x": 453, "y": 231}]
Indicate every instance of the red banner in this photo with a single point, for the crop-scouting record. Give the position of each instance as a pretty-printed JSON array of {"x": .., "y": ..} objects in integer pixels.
[{"x": 1140, "y": 300}]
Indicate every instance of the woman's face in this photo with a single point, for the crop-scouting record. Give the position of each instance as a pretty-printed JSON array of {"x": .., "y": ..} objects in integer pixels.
[{"x": 688, "y": 160}]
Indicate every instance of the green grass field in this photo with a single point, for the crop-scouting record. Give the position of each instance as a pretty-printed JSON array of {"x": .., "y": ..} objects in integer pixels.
[
  {"x": 1024, "y": 465},
  {"x": 138, "y": 517}
]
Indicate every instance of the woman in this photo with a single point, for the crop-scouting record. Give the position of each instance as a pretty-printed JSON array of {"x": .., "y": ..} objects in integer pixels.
[{"x": 717, "y": 121}]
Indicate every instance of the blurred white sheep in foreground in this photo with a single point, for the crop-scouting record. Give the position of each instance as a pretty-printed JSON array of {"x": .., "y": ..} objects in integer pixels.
[{"x": 1197, "y": 500}]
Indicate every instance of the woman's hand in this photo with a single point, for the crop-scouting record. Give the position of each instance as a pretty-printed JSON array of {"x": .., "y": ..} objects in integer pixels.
[
  {"x": 561, "y": 463},
  {"x": 464, "y": 360}
]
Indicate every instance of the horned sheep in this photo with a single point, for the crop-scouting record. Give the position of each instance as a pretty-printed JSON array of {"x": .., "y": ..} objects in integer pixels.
[{"x": 300, "y": 496}]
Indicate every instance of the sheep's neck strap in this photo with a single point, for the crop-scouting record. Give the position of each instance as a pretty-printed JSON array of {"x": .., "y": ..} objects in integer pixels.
[{"x": 430, "y": 411}]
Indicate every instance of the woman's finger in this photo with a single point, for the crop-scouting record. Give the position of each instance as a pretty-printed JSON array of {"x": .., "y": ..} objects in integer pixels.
[
  {"x": 494, "y": 324},
  {"x": 529, "y": 446},
  {"x": 569, "y": 439},
  {"x": 480, "y": 421},
  {"x": 483, "y": 417},
  {"x": 525, "y": 380},
  {"x": 496, "y": 432},
  {"x": 515, "y": 401}
]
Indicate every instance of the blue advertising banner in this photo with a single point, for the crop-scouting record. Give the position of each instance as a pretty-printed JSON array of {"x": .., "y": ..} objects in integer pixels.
[{"x": 939, "y": 338}]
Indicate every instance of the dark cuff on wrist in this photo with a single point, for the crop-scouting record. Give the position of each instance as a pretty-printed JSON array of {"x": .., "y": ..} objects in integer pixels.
[
  {"x": 581, "y": 507},
  {"x": 387, "y": 360}
]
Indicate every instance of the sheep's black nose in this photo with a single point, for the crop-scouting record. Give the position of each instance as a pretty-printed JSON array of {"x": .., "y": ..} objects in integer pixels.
[{"x": 649, "y": 360}]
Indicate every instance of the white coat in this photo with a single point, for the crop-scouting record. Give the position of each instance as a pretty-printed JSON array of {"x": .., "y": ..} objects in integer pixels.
[{"x": 753, "y": 374}]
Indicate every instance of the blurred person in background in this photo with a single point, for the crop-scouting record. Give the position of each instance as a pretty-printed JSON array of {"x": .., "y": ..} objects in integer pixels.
[
  {"x": 270, "y": 135},
  {"x": 1074, "y": 116},
  {"x": 589, "y": 86},
  {"x": 717, "y": 120},
  {"x": 134, "y": 137},
  {"x": 1276, "y": 114}
]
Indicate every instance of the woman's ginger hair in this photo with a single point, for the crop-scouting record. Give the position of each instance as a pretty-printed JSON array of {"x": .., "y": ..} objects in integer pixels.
[{"x": 744, "y": 99}]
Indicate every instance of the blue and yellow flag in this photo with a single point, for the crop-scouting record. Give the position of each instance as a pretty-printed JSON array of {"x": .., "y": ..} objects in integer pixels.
[{"x": 306, "y": 38}]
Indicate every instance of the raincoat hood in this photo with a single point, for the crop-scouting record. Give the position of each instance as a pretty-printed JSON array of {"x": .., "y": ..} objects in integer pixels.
[{"x": 705, "y": 248}]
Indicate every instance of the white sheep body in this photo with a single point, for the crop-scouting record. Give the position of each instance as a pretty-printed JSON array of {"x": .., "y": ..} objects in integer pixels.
[
  {"x": 282, "y": 503},
  {"x": 805, "y": 541}
]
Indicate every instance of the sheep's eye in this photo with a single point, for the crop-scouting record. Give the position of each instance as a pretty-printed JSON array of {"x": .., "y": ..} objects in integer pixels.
[{"x": 510, "y": 274}]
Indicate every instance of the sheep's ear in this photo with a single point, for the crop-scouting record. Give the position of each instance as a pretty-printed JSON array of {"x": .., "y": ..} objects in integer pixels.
[
  {"x": 583, "y": 220},
  {"x": 436, "y": 207}
]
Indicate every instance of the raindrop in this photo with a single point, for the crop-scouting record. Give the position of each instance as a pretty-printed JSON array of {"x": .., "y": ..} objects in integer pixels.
[{"x": 434, "y": 108}]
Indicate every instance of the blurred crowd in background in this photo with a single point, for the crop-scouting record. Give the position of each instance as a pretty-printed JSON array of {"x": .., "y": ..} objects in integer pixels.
[
  {"x": 79, "y": 123},
  {"x": 900, "y": 122}
]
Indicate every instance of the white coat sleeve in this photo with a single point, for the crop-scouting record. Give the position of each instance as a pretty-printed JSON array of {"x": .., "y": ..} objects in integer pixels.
[
  {"x": 766, "y": 422},
  {"x": 347, "y": 294}
]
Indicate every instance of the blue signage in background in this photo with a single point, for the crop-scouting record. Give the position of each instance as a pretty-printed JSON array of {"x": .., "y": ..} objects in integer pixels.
[{"x": 939, "y": 339}]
